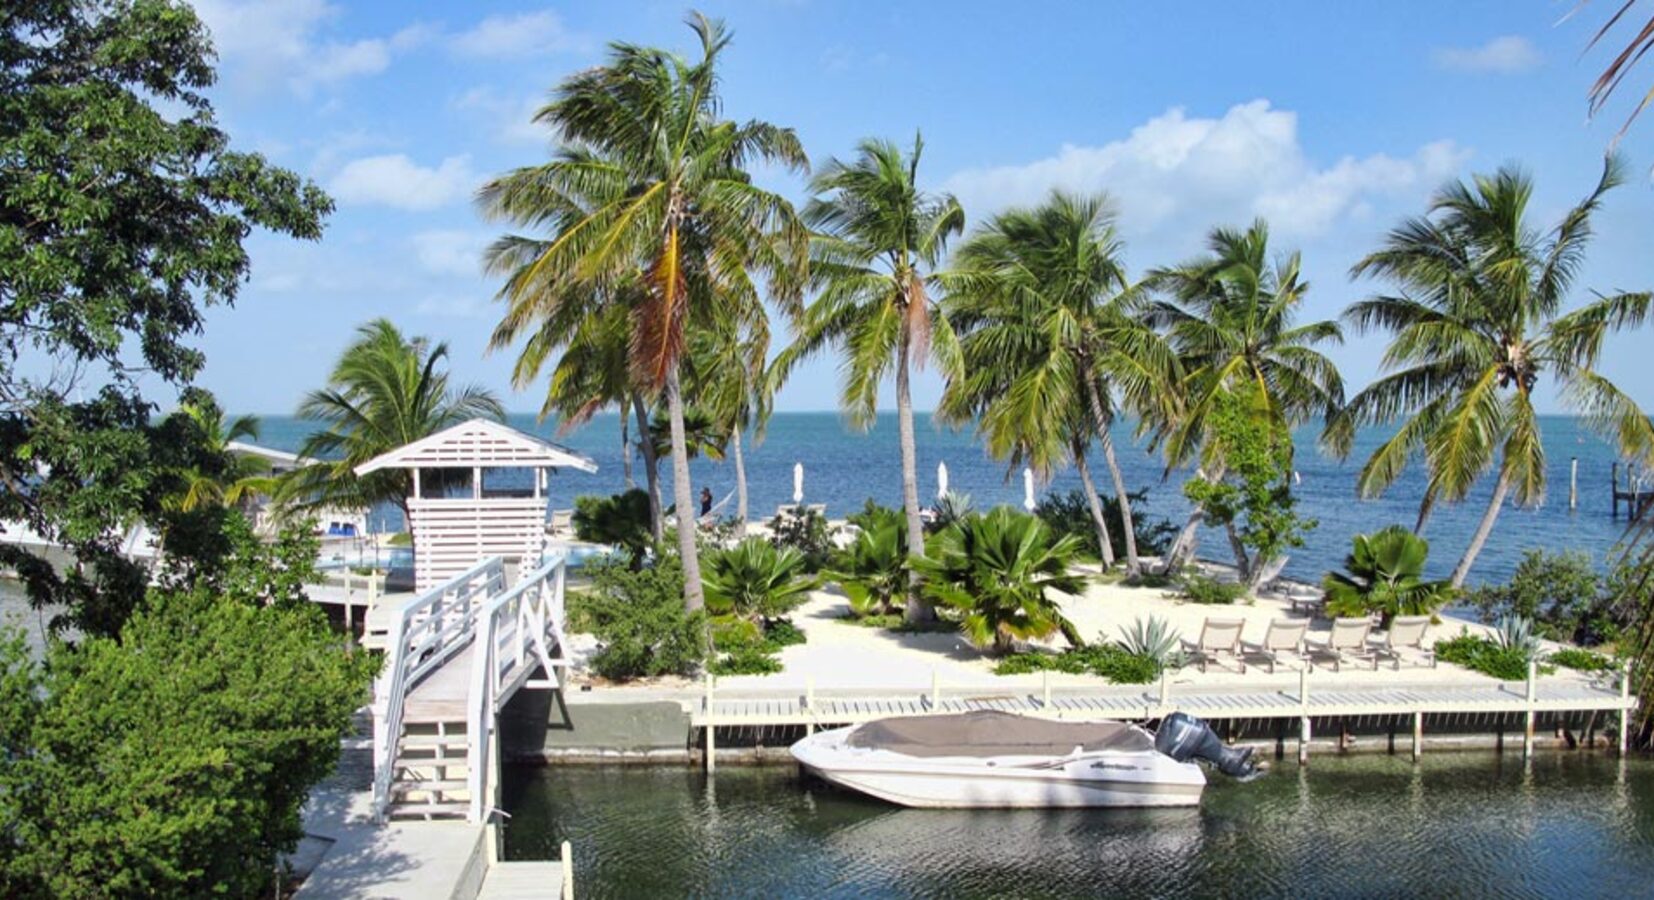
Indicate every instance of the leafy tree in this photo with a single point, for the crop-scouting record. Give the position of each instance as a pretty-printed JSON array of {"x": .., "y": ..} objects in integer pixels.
[
  {"x": 1070, "y": 513},
  {"x": 225, "y": 478},
  {"x": 173, "y": 759},
  {"x": 879, "y": 240},
  {"x": 621, "y": 520},
  {"x": 386, "y": 391},
  {"x": 1476, "y": 323},
  {"x": 997, "y": 571},
  {"x": 873, "y": 569},
  {"x": 1384, "y": 574},
  {"x": 755, "y": 580},
  {"x": 1253, "y": 500},
  {"x": 650, "y": 188},
  {"x": 123, "y": 208},
  {"x": 1560, "y": 592},
  {"x": 806, "y": 531},
  {"x": 639, "y": 620}
]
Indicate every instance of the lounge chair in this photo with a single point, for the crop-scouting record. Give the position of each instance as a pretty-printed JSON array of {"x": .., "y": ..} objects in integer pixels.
[
  {"x": 1218, "y": 637},
  {"x": 562, "y": 520},
  {"x": 1348, "y": 638},
  {"x": 1282, "y": 636},
  {"x": 1405, "y": 638}
]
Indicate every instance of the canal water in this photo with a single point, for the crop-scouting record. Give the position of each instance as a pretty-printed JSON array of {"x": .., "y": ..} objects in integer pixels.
[{"x": 1455, "y": 825}]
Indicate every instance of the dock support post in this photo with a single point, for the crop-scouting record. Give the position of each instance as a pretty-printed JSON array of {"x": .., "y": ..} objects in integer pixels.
[
  {"x": 1303, "y": 720},
  {"x": 1625, "y": 705},
  {"x": 1573, "y": 484},
  {"x": 935, "y": 689},
  {"x": 1418, "y": 735},
  {"x": 1165, "y": 690},
  {"x": 1045, "y": 693},
  {"x": 711, "y": 740},
  {"x": 810, "y": 704},
  {"x": 1527, "y": 730}
]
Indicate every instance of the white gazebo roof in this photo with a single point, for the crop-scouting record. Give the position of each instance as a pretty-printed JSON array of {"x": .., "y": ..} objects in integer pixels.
[{"x": 479, "y": 443}]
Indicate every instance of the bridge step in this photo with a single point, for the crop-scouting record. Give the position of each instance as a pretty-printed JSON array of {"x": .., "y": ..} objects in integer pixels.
[
  {"x": 430, "y": 810},
  {"x": 522, "y": 879}
]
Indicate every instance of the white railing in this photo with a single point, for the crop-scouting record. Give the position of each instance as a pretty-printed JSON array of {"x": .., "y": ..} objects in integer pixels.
[
  {"x": 516, "y": 631},
  {"x": 424, "y": 634}
]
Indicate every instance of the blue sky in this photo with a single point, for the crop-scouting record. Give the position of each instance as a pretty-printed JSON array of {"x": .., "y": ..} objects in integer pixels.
[{"x": 1333, "y": 120}]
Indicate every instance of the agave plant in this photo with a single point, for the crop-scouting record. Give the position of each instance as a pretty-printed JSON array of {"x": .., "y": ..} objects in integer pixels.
[
  {"x": 1516, "y": 633},
  {"x": 999, "y": 572},
  {"x": 755, "y": 580},
  {"x": 950, "y": 508},
  {"x": 873, "y": 570},
  {"x": 1150, "y": 637},
  {"x": 1386, "y": 576}
]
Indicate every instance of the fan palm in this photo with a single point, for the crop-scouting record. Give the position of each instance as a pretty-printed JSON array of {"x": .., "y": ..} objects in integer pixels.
[
  {"x": 1231, "y": 316},
  {"x": 873, "y": 570},
  {"x": 650, "y": 188},
  {"x": 1476, "y": 322},
  {"x": 1385, "y": 574},
  {"x": 386, "y": 391},
  {"x": 1048, "y": 338},
  {"x": 756, "y": 580},
  {"x": 879, "y": 239},
  {"x": 230, "y": 477}
]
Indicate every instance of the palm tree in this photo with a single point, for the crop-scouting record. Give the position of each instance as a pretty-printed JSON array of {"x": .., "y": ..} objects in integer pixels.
[
  {"x": 757, "y": 581},
  {"x": 879, "y": 239},
  {"x": 1476, "y": 321},
  {"x": 1385, "y": 574},
  {"x": 737, "y": 388},
  {"x": 1231, "y": 317},
  {"x": 1048, "y": 337},
  {"x": 650, "y": 187},
  {"x": 230, "y": 477},
  {"x": 386, "y": 391}
]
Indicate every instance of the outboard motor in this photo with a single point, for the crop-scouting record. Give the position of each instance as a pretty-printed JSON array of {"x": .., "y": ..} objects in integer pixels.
[{"x": 1184, "y": 737}]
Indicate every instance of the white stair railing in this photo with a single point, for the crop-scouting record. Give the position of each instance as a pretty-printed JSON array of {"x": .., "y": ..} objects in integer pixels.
[
  {"x": 425, "y": 633},
  {"x": 515, "y": 631}
]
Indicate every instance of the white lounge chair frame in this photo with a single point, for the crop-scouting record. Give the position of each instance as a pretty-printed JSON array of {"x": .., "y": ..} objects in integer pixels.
[
  {"x": 1348, "y": 638},
  {"x": 1282, "y": 636},
  {"x": 1405, "y": 637},
  {"x": 1217, "y": 637}
]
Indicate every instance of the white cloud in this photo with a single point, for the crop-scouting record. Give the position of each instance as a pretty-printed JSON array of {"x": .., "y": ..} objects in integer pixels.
[
  {"x": 513, "y": 117},
  {"x": 280, "y": 41},
  {"x": 1175, "y": 172},
  {"x": 450, "y": 252},
  {"x": 1501, "y": 55},
  {"x": 524, "y": 34},
  {"x": 395, "y": 180}
]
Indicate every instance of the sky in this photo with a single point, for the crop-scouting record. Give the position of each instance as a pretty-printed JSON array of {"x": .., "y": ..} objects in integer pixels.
[{"x": 1331, "y": 120}]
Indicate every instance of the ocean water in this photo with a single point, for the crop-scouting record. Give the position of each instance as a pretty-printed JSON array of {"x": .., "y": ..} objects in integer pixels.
[{"x": 843, "y": 468}]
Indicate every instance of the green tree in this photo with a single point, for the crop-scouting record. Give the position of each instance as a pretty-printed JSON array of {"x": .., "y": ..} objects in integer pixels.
[
  {"x": 879, "y": 240},
  {"x": 1232, "y": 315},
  {"x": 998, "y": 572},
  {"x": 1050, "y": 344},
  {"x": 650, "y": 186},
  {"x": 756, "y": 580},
  {"x": 386, "y": 391},
  {"x": 737, "y": 387},
  {"x": 1384, "y": 574},
  {"x": 621, "y": 520},
  {"x": 1476, "y": 322},
  {"x": 226, "y": 477},
  {"x": 123, "y": 208}
]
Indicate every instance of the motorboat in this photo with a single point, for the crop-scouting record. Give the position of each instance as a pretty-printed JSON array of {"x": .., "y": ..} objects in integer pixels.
[{"x": 988, "y": 759}]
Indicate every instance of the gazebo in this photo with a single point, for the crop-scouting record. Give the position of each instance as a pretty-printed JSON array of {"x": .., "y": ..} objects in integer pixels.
[{"x": 499, "y": 510}]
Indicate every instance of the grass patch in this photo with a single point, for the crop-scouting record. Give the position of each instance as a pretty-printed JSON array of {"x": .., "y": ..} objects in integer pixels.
[
  {"x": 745, "y": 661},
  {"x": 1104, "y": 660},
  {"x": 1485, "y": 655},
  {"x": 1581, "y": 660}
]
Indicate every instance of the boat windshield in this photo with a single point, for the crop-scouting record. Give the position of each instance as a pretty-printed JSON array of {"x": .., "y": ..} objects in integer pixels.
[{"x": 992, "y": 733}]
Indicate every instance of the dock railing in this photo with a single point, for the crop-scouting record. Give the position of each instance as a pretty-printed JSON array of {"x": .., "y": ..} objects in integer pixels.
[
  {"x": 515, "y": 630},
  {"x": 425, "y": 633}
]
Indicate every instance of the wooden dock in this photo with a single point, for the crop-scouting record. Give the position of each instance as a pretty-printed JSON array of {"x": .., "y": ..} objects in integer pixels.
[{"x": 1638, "y": 499}]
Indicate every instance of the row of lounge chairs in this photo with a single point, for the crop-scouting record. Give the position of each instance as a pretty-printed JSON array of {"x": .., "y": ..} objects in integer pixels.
[{"x": 1350, "y": 640}]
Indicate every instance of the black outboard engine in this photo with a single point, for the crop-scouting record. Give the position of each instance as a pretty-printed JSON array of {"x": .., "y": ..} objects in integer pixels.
[{"x": 1184, "y": 737}]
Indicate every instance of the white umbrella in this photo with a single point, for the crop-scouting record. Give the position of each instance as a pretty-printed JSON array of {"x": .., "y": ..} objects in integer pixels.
[
  {"x": 798, "y": 482},
  {"x": 941, "y": 479},
  {"x": 1028, "y": 489}
]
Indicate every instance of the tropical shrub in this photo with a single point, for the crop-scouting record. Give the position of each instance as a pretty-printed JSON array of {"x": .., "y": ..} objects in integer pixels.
[
  {"x": 1070, "y": 514},
  {"x": 1561, "y": 592},
  {"x": 745, "y": 661},
  {"x": 1486, "y": 655},
  {"x": 1105, "y": 660},
  {"x": 872, "y": 516},
  {"x": 948, "y": 509},
  {"x": 639, "y": 620},
  {"x": 1151, "y": 637},
  {"x": 1581, "y": 660},
  {"x": 754, "y": 580},
  {"x": 1194, "y": 587},
  {"x": 1516, "y": 633},
  {"x": 997, "y": 573},
  {"x": 1386, "y": 576},
  {"x": 806, "y": 531},
  {"x": 620, "y": 520},
  {"x": 873, "y": 570}
]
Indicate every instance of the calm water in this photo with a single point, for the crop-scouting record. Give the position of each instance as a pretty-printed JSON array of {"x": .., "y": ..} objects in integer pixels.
[
  {"x": 1458, "y": 825},
  {"x": 843, "y": 468}
]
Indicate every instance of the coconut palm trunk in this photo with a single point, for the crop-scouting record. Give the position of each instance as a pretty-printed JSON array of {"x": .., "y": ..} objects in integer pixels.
[
  {"x": 917, "y": 609},
  {"x": 681, "y": 496},
  {"x": 651, "y": 469},
  {"x": 740, "y": 481},
  {"x": 1500, "y": 489},
  {"x": 1129, "y": 528},
  {"x": 626, "y": 449},
  {"x": 1098, "y": 520}
]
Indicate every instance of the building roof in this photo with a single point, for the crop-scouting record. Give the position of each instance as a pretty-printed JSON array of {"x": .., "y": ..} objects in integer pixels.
[
  {"x": 279, "y": 457},
  {"x": 479, "y": 443}
]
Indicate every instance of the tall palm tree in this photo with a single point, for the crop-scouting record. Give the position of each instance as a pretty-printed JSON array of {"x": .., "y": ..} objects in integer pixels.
[
  {"x": 1476, "y": 321},
  {"x": 386, "y": 390},
  {"x": 878, "y": 241},
  {"x": 651, "y": 185},
  {"x": 231, "y": 477},
  {"x": 1231, "y": 315},
  {"x": 1049, "y": 339}
]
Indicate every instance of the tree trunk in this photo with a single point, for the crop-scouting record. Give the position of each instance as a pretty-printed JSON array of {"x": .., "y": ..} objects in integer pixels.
[
  {"x": 917, "y": 609},
  {"x": 651, "y": 469},
  {"x": 1243, "y": 560},
  {"x": 1184, "y": 547},
  {"x": 682, "y": 496},
  {"x": 1097, "y": 518},
  {"x": 1462, "y": 570},
  {"x": 1129, "y": 528},
  {"x": 740, "y": 483},
  {"x": 626, "y": 448}
]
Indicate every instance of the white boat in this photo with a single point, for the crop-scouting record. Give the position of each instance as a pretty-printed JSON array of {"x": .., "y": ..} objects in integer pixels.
[{"x": 998, "y": 759}]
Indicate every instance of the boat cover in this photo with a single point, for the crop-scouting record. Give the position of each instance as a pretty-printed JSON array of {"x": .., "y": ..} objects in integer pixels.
[{"x": 991, "y": 733}]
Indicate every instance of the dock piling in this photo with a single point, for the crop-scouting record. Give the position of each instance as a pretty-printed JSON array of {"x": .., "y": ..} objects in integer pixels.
[
  {"x": 1045, "y": 697},
  {"x": 1573, "y": 484},
  {"x": 1303, "y": 721},
  {"x": 810, "y": 703},
  {"x": 711, "y": 741},
  {"x": 935, "y": 688},
  {"x": 1527, "y": 730},
  {"x": 1625, "y": 708},
  {"x": 1418, "y": 735}
]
